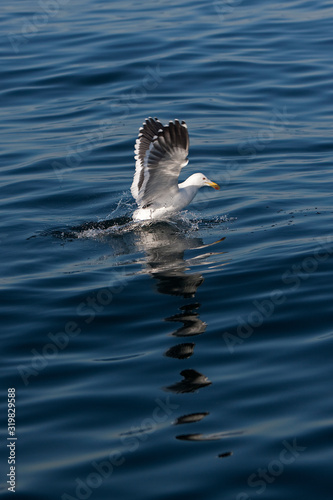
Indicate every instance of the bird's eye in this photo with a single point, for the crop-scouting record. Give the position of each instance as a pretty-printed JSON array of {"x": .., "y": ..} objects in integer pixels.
[{"x": 204, "y": 178}]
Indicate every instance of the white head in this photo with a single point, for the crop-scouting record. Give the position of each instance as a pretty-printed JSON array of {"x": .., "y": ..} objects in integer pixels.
[{"x": 201, "y": 180}]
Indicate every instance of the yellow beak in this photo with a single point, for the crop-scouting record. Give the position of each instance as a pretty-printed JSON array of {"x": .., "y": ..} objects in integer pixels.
[{"x": 213, "y": 185}]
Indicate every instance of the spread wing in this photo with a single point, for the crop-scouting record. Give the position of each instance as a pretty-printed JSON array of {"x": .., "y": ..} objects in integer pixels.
[{"x": 160, "y": 153}]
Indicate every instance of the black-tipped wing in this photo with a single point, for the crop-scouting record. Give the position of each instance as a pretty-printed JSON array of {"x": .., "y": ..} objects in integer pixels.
[{"x": 160, "y": 153}]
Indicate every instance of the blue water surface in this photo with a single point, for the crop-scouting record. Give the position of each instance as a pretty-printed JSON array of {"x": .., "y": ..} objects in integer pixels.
[{"x": 188, "y": 359}]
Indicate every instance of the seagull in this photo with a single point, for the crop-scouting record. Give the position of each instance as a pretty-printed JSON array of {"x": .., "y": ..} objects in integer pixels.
[{"x": 160, "y": 153}]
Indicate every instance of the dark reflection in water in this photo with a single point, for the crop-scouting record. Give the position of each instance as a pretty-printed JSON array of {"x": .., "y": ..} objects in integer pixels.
[
  {"x": 193, "y": 381},
  {"x": 164, "y": 245},
  {"x": 191, "y": 418},
  {"x": 192, "y": 324},
  {"x": 180, "y": 351},
  {"x": 225, "y": 454},
  {"x": 173, "y": 283},
  {"x": 165, "y": 261},
  {"x": 208, "y": 437}
]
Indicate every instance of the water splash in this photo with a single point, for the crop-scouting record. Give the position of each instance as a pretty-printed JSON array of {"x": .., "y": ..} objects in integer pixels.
[{"x": 119, "y": 222}]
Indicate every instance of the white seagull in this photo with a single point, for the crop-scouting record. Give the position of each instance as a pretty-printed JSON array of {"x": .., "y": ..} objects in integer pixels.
[{"x": 160, "y": 153}]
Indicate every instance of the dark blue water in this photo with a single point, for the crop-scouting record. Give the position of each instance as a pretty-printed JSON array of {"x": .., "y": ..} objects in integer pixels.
[{"x": 189, "y": 359}]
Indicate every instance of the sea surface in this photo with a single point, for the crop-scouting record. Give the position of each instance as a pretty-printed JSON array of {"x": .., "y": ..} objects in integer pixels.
[{"x": 190, "y": 358}]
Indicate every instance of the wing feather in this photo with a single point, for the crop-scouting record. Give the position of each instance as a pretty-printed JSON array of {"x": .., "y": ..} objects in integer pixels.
[{"x": 160, "y": 153}]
